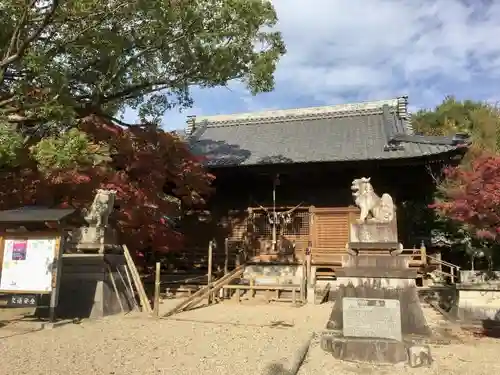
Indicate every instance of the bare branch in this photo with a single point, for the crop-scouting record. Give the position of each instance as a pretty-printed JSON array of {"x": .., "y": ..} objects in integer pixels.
[
  {"x": 6, "y": 101},
  {"x": 117, "y": 121},
  {"x": 132, "y": 91},
  {"x": 437, "y": 180}
]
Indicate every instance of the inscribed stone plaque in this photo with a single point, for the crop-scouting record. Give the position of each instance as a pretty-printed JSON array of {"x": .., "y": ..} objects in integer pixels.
[{"x": 370, "y": 317}]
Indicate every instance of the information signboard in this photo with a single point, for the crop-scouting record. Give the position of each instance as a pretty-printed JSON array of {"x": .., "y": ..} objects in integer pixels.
[{"x": 28, "y": 265}]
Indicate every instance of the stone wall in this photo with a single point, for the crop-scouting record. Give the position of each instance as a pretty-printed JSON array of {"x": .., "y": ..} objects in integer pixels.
[
  {"x": 474, "y": 277},
  {"x": 478, "y": 301}
]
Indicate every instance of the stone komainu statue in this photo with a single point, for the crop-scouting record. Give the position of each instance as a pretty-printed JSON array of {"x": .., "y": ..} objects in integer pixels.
[
  {"x": 373, "y": 208},
  {"x": 101, "y": 208}
]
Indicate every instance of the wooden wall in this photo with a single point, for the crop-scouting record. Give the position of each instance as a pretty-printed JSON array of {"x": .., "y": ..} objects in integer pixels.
[
  {"x": 324, "y": 230},
  {"x": 326, "y": 204}
]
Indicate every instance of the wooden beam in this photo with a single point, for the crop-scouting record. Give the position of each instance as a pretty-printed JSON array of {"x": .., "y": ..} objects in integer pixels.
[
  {"x": 56, "y": 277},
  {"x": 286, "y": 287},
  {"x": 202, "y": 293}
]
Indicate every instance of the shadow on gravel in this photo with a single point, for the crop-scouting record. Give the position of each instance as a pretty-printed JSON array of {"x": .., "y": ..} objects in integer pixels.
[{"x": 277, "y": 369}]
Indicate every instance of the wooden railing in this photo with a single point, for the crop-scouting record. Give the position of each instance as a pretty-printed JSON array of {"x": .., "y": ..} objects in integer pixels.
[
  {"x": 417, "y": 257},
  {"x": 333, "y": 257},
  {"x": 451, "y": 270}
]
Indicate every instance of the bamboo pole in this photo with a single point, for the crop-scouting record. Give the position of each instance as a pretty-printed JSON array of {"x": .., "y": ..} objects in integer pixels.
[
  {"x": 131, "y": 287},
  {"x": 157, "y": 290},
  {"x": 113, "y": 282},
  {"x": 209, "y": 275},
  {"x": 146, "y": 306},
  {"x": 128, "y": 289}
]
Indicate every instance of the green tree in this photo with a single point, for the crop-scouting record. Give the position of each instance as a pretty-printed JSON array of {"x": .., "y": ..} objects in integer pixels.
[
  {"x": 61, "y": 61},
  {"x": 479, "y": 119},
  {"x": 452, "y": 217}
]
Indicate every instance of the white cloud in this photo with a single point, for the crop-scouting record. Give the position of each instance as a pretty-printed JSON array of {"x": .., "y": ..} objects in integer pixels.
[
  {"x": 353, "y": 50},
  {"x": 381, "y": 47}
]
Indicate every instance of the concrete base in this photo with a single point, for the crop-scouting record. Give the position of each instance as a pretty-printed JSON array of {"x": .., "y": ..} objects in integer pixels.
[
  {"x": 365, "y": 350},
  {"x": 477, "y": 302},
  {"x": 311, "y": 295},
  {"x": 87, "y": 290},
  {"x": 375, "y": 350}
]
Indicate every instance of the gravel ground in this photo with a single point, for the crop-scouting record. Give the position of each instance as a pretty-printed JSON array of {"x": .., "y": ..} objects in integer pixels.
[{"x": 222, "y": 339}]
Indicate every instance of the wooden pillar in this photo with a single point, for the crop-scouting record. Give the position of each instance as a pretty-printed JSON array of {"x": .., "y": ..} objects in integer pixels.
[
  {"x": 423, "y": 252},
  {"x": 313, "y": 276},
  {"x": 156, "y": 306},
  {"x": 56, "y": 277},
  {"x": 226, "y": 256},
  {"x": 209, "y": 275},
  {"x": 308, "y": 267}
]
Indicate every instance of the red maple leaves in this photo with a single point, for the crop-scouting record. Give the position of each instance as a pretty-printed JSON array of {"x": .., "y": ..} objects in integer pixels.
[
  {"x": 472, "y": 196},
  {"x": 147, "y": 165}
]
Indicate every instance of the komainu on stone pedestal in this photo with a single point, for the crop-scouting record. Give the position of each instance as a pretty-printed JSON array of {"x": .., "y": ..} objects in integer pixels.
[
  {"x": 98, "y": 234},
  {"x": 376, "y": 226},
  {"x": 377, "y": 309},
  {"x": 373, "y": 208}
]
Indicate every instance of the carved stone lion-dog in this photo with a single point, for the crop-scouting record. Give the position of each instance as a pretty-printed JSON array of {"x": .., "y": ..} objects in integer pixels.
[{"x": 373, "y": 208}]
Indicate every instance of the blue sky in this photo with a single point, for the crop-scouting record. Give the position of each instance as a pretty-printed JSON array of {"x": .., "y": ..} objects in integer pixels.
[{"x": 342, "y": 51}]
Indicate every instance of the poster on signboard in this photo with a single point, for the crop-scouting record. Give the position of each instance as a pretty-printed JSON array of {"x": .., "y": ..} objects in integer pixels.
[
  {"x": 27, "y": 265},
  {"x": 19, "y": 250}
]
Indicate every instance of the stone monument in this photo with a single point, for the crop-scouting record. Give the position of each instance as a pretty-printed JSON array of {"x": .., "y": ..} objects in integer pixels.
[{"x": 377, "y": 311}]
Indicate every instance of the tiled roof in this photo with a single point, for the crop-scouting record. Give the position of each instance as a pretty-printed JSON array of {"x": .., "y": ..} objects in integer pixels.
[
  {"x": 33, "y": 214},
  {"x": 363, "y": 131}
]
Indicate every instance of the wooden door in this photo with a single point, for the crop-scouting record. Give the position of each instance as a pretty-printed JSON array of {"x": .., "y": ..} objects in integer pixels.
[{"x": 330, "y": 233}]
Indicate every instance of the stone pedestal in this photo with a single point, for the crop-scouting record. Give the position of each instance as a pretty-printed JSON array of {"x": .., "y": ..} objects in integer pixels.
[
  {"x": 397, "y": 284},
  {"x": 377, "y": 309},
  {"x": 93, "y": 240},
  {"x": 86, "y": 289},
  {"x": 373, "y": 232}
]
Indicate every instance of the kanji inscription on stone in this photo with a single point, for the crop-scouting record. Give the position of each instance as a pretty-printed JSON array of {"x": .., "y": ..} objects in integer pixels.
[{"x": 371, "y": 318}]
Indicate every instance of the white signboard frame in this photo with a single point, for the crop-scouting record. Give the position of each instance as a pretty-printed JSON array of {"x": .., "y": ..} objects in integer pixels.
[{"x": 28, "y": 263}]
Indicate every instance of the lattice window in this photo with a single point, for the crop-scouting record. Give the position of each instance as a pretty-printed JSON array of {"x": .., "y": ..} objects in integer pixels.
[{"x": 299, "y": 226}]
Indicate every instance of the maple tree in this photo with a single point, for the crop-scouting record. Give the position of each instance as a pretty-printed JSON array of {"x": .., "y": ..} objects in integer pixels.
[
  {"x": 466, "y": 199},
  {"x": 145, "y": 165},
  {"x": 68, "y": 70},
  {"x": 472, "y": 196}
]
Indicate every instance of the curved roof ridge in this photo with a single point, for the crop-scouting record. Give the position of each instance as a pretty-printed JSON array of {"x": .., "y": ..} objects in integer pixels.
[{"x": 340, "y": 110}]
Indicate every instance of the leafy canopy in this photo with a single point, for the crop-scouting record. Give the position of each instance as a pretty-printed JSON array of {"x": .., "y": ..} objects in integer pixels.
[
  {"x": 69, "y": 68},
  {"x": 478, "y": 119},
  {"x": 61, "y": 60}
]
